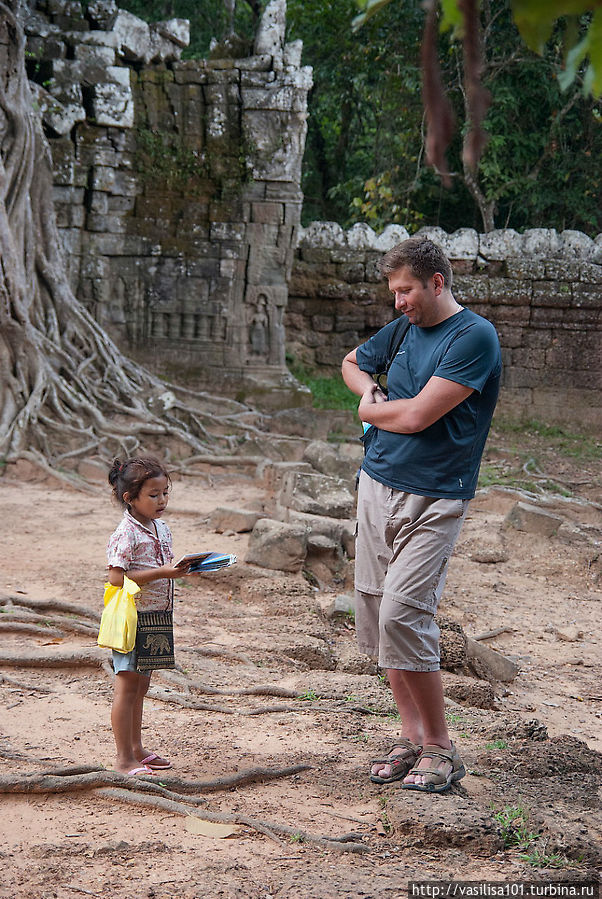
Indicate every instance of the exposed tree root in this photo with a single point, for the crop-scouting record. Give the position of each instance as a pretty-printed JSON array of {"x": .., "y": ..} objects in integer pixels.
[
  {"x": 556, "y": 497},
  {"x": 151, "y": 794},
  {"x": 195, "y": 684},
  {"x": 488, "y": 635},
  {"x": 344, "y": 843},
  {"x": 72, "y": 770},
  {"x": 198, "y": 686},
  {"x": 94, "y": 660},
  {"x": 263, "y": 829},
  {"x": 6, "y": 679},
  {"x": 218, "y": 461},
  {"x": 170, "y": 794},
  {"x": 76, "y": 779},
  {"x": 64, "y": 660},
  {"x": 270, "y": 710},
  {"x": 229, "y": 782},
  {"x": 64, "y": 477},
  {"x": 50, "y": 605},
  {"x": 68, "y": 625},
  {"x": 6, "y": 753},
  {"x": 107, "y": 668},
  {"x": 220, "y": 653},
  {"x": 266, "y": 690},
  {"x": 187, "y": 703},
  {"x": 178, "y": 676},
  {"x": 21, "y": 627},
  {"x": 213, "y": 402}
]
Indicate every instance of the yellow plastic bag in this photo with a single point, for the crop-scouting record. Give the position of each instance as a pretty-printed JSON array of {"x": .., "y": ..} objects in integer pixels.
[{"x": 118, "y": 622}]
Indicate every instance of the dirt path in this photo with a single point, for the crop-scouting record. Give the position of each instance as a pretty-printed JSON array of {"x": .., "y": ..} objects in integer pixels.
[{"x": 534, "y": 751}]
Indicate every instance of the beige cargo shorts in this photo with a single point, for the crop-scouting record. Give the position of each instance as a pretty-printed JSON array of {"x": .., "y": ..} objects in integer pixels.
[{"x": 404, "y": 542}]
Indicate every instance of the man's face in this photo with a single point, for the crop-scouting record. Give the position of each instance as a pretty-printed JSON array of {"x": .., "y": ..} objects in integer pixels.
[{"x": 417, "y": 302}]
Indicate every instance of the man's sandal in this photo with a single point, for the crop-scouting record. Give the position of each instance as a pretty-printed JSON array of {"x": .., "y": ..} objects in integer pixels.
[
  {"x": 400, "y": 762},
  {"x": 435, "y": 780}
]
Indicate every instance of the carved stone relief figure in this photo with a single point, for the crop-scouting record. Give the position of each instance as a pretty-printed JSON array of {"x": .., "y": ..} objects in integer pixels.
[
  {"x": 265, "y": 324},
  {"x": 259, "y": 340}
]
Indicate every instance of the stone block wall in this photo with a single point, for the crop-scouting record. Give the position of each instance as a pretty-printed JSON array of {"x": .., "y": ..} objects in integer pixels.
[
  {"x": 177, "y": 184},
  {"x": 177, "y": 191},
  {"x": 542, "y": 291}
]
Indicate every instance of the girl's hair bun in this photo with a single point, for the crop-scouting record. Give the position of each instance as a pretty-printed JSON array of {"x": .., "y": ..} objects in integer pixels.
[{"x": 115, "y": 469}]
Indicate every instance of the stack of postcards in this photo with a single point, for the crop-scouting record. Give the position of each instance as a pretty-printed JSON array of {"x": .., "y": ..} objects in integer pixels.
[{"x": 208, "y": 561}]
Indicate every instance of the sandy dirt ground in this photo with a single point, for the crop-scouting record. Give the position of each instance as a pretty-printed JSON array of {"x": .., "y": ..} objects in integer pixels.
[{"x": 531, "y": 745}]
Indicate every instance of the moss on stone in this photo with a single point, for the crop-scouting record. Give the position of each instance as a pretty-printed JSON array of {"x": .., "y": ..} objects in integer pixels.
[{"x": 163, "y": 162}]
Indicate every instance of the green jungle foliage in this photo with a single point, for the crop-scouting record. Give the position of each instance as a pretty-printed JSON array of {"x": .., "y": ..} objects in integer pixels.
[
  {"x": 328, "y": 392},
  {"x": 208, "y": 19},
  {"x": 364, "y": 157}
]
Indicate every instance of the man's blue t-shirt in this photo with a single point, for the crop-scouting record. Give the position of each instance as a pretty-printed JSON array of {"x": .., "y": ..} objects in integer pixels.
[{"x": 442, "y": 460}]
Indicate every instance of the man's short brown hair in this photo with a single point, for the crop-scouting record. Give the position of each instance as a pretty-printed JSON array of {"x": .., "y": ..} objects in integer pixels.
[{"x": 423, "y": 258}]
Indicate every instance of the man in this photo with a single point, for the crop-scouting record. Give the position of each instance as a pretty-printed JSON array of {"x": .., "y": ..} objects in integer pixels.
[{"x": 419, "y": 473}]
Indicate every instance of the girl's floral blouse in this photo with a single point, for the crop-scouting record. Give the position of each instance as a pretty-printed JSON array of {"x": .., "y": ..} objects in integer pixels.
[{"x": 131, "y": 546}]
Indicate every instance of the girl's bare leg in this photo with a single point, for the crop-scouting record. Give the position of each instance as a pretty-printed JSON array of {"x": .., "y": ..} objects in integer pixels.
[
  {"x": 122, "y": 719},
  {"x": 143, "y": 685}
]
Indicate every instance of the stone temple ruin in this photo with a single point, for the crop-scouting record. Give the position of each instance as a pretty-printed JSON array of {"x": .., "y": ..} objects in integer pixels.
[
  {"x": 177, "y": 183},
  {"x": 177, "y": 191}
]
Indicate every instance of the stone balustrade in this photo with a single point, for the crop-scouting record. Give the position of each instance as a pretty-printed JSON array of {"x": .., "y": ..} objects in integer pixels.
[{"x": 542, "y": 290}]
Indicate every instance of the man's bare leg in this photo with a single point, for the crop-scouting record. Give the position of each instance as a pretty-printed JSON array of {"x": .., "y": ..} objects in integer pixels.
[
  {"x": 427, "y": 693},
  {"x": 419, "y": 699},
  {"x": 411, "y": 721}
]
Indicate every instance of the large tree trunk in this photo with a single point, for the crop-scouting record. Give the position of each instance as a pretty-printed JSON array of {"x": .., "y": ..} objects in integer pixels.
[{"x": 64, "y": 385}]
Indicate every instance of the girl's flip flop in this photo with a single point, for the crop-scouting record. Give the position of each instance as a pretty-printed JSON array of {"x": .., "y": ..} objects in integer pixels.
[{"x": 155, "y": 762}]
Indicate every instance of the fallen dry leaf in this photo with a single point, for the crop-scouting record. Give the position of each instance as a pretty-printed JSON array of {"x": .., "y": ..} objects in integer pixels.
[{"x": 193, "y": 824}]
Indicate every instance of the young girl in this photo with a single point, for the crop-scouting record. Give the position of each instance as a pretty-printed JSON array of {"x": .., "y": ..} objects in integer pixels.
[{"x": 141, "y": 548}]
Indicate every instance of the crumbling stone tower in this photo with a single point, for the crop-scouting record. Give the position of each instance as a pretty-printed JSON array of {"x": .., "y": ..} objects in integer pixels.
[{"x": 177, "y": 184}]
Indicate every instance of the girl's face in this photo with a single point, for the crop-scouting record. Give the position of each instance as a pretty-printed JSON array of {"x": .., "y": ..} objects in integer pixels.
[{"x": 151, "y": 501}]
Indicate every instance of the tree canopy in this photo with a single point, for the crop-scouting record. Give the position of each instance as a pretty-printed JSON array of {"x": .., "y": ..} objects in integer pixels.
[
  {"x": 366, "y": 159},
  {"x": 366, "y": 154}
]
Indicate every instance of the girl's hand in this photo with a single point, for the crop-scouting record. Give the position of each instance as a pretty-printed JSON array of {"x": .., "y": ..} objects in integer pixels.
[
  {"x": 171, "y": 571},
  {"x": 147, "y": 575}
]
